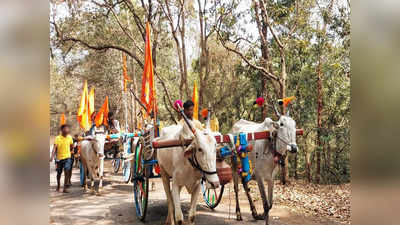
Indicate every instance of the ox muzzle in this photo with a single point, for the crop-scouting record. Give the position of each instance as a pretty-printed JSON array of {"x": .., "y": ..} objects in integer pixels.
[{"x": 292, "y": 148}]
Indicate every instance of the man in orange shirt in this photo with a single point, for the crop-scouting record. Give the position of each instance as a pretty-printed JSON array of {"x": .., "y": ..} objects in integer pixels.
[{"x": 62, "y": 148}]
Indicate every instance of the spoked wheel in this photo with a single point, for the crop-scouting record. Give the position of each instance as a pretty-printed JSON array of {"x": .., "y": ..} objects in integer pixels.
[
  {"x": 126, "y": 171},
  {"x": 212, "y": 197},
  {"x": 116, "y": 164},
  {"x": 126, "y": 165},
  {"x": 140, "y": 182}
]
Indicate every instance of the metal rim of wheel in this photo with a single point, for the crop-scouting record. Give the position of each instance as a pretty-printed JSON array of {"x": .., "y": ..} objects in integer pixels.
[
  {"x": 126, "y": 171},
  {"x": 210, "y": 196},
  {"x": 140, "y": 182},
  {"x": 127, "y": 166},
  {"x": 116, "y": 163}
]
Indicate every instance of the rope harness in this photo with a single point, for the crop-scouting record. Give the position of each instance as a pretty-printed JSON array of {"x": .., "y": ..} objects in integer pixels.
[
  {"x": 272, "y": 141},
  {"x": 195, "y": 164}
]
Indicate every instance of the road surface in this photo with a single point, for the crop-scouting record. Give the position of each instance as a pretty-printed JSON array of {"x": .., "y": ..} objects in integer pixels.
[{"x": 115, "y": 205}]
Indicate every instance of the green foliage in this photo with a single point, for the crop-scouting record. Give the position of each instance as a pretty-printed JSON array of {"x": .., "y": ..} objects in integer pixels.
[{"x": 232, "y": 85}]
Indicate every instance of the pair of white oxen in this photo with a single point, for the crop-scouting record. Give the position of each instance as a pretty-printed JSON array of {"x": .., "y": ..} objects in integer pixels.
[{"x": 186, "y": 167}]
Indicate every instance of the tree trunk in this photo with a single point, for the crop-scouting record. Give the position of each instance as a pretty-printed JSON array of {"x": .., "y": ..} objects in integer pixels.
[
  {"x": 319, "y": 120},
  {"x": 308, "y": 167},
  {"x": 283, "y": 109},
  {"x": 295, "y": 167},
  {"x": 134, "y": 87},
  {"x": 184, "y": 54}
]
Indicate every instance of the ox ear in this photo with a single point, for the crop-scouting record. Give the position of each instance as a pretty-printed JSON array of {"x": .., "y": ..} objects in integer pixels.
[{"x": 189, "y": 150}]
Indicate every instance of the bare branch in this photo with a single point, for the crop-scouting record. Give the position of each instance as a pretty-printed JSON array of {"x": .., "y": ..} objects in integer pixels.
[
  {"x": 264, "y": 14},
  {"x": 263, "y": 71},
  {"x": 137, "y": 99},
  {"x": 169, "y": 111},
  {"x": 138, "y": 21},
  {"x": 123, "y": 28},
  {"x": 104, "y": 47}
]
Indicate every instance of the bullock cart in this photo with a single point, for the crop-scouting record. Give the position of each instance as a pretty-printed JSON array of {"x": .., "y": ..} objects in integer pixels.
[
  {"x": 123, "y": 159},
  {"x": 235, "y": 147},
  {"x": 145, "y": 163},
  {"x": 119, "y": 159}
]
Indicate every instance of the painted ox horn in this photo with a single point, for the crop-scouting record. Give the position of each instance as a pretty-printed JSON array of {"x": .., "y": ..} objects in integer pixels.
[{"x": 276, "y": 110}]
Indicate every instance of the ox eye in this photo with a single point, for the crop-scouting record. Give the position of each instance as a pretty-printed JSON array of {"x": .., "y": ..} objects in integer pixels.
[
  {"x": 200, "y": 150},
  {"x": 281, "y": 124}
]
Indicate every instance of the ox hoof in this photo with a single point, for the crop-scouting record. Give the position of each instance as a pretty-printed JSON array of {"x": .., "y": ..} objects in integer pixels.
[
  {"x": 191, "y": 220},
  {"x": 258, "y": 217},
  {"x": 180, "y": 222},
  {"x": 239, "y": 218}
]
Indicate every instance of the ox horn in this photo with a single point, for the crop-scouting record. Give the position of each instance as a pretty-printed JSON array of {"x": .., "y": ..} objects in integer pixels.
[
  {"x": 276, "y": 111},
  {"x": 288, "y": 111}
]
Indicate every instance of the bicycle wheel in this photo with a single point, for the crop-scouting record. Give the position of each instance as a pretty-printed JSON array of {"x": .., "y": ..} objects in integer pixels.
[
  {"x": 212, "y": 197},
  {"x": 140, "y": 182}
]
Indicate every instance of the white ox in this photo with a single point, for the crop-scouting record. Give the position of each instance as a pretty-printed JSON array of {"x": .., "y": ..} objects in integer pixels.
[
  {"x": 174, "y": 163},
  {"x": 92, "y": 157},
  {"x": 262, "y": 157}
]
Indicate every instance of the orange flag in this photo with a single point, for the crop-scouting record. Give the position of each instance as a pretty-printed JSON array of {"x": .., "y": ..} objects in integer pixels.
[
  {"x": 125, "y": 72},
  {"x": 102, "y": 115},
  {"x": 83, "y": 111},
  {"x": 91, "y": 102},
  {"x": 148, "y": 92},
  {"x": 62, "y": 119},
  {"x": 195, "y": 99}
]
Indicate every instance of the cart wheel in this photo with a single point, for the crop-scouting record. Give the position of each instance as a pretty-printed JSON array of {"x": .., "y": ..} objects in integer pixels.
[
  {"x": 126, "y": 171},
  {"x": 116, "y": 164},
  {"x": 140, "y": 182},
  {"x": 212, "y": 197}
]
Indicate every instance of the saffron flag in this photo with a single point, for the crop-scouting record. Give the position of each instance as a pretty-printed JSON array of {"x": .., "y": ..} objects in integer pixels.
[
  {"x": 125, "y": 72},
  {"x": 102, "y": 115},
  {"x": 195, "y": 99},
  {"x": 148, "y": 92},
  {"x": 91, "y": 102},
  {"x": 83, "y": 111},
  {"x": 62, "y": 119}
]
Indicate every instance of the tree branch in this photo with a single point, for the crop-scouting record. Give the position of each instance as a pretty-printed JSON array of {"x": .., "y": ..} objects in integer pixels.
[
  {"x": 137, "y": 99},
  {"x": 104, "y": 47},
  {"x": 169, "y": 111},
  {"x": 266, "y": 73}
]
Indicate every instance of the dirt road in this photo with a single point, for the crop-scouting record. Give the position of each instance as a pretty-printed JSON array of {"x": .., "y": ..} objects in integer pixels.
[{"x": 115, "y": 206}]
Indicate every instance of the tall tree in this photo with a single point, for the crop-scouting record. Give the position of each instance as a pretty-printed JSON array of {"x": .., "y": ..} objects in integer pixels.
[{"x": 273, "y": 19}]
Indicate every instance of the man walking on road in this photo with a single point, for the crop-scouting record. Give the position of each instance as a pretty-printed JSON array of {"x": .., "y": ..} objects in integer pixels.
[{"x": 62, "y": 148}]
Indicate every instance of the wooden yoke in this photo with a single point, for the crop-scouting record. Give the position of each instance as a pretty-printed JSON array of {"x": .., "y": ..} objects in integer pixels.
[
  {"x": 219, "y": 138},
  {"x": 252, "y": 136}
]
